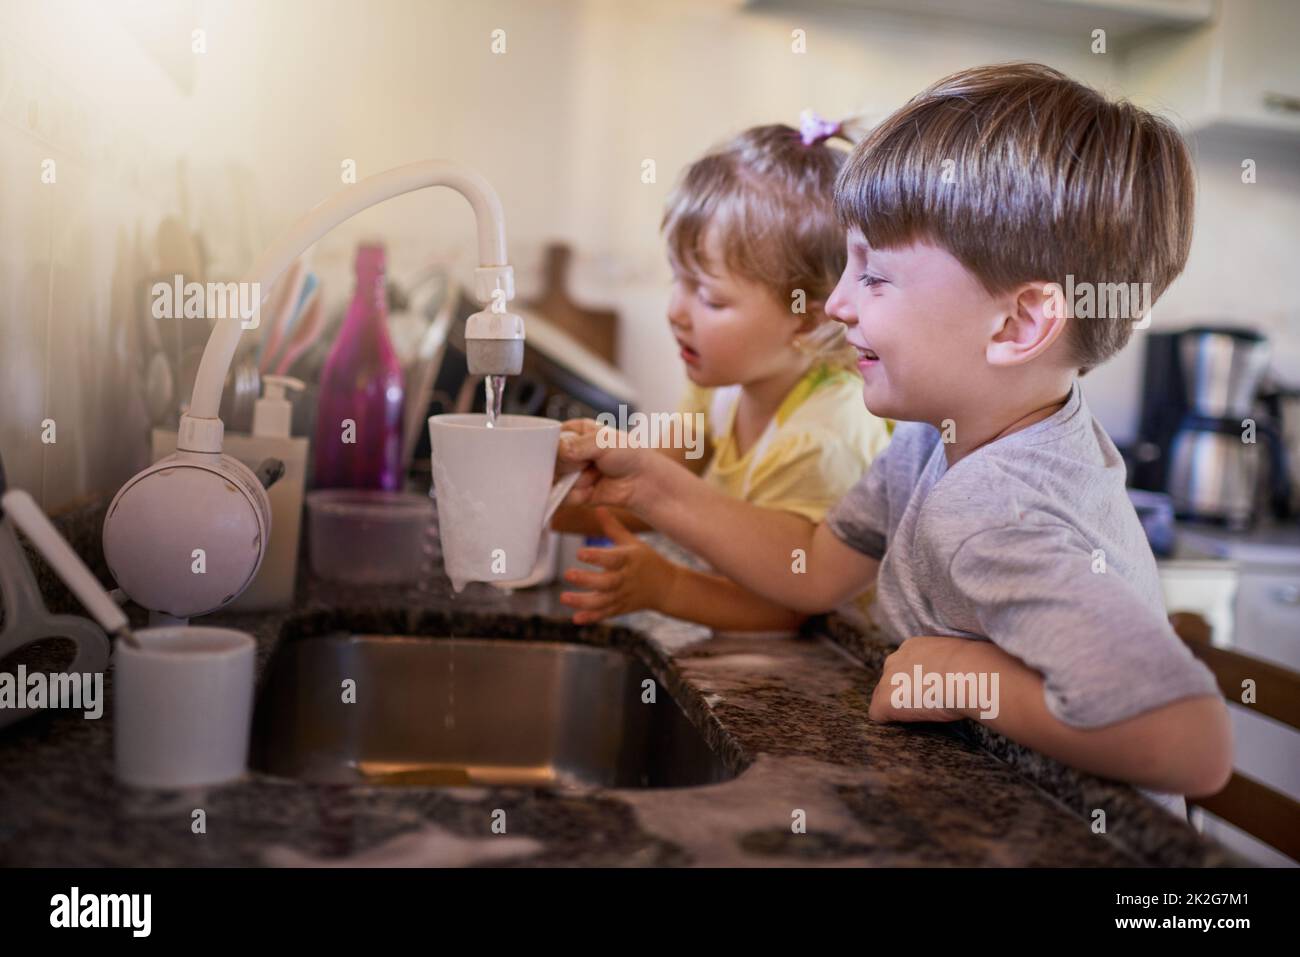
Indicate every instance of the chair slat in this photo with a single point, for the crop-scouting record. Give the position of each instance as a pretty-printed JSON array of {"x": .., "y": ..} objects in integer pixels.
[{"x": 1258, "y": 810}]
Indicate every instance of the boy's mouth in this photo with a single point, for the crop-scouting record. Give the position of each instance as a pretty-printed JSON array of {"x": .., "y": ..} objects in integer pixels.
[
  {"x": 689, "y": 355},
  {"x": 866, "y": 357}
]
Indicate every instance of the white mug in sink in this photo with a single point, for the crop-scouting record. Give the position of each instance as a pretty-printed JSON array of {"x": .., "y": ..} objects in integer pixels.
[{"x": 495, "y": 492}]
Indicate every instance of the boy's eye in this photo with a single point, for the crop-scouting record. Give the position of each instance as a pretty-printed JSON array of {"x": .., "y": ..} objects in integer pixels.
[
  {"x": 710, "y": 303},
  {"x": 868, "y": 280}
]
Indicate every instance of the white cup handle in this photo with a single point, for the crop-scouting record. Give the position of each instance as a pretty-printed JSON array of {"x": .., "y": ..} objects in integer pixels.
[{"x": 560, "y": 489}]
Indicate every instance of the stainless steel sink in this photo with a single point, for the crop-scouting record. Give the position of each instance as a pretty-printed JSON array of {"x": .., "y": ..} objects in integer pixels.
[{"x": 446, "y": 711}]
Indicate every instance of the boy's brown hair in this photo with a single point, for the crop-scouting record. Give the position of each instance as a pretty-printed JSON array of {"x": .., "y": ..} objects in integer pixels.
[
  {"x": 769, "y": 198},
  {"x": 1023, "y": 174}
]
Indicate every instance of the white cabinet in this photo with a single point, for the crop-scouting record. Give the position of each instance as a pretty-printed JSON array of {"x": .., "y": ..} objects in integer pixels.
[
  {"x": 1217, "y": 66},
  {"x": 1119, "y": 18},
  {"x": 1207, "y": 587},
  {"x": 1238, "y": 73},
  {"x": 1268, "y": 614},
  {"x": 1260, "y": 67},
  {"x": 1265, "y": 566}
]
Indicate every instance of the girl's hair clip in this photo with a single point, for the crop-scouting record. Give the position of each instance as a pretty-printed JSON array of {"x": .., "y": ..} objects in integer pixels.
[{"x": 813, "y": 129}]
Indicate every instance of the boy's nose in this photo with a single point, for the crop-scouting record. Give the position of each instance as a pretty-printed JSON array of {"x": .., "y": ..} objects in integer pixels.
[{"x": 840, "y": 305}]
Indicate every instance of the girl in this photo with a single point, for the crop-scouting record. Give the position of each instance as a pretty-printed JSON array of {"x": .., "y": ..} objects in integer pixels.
[{"x": 755, "y": 249}]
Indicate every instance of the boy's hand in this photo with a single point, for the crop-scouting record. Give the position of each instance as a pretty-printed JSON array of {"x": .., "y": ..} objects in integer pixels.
[
  {"x": 615, "y": 474},
  {"x": 635, "y": 576},
  {"x": 934, "y": 654}
]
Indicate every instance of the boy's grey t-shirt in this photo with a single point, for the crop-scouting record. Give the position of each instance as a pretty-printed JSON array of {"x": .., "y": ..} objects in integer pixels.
[{"x": 1030, "y": 542}]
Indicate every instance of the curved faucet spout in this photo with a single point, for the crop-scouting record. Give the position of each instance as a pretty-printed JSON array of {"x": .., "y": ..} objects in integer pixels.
[{"x": 494, "y": 271}]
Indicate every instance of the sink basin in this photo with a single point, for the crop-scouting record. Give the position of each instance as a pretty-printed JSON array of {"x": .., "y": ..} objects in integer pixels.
[{"x": 447, "y": 711}]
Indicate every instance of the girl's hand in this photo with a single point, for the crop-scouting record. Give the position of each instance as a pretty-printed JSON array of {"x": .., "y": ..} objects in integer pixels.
[
  {"x": 635, "y": 576},
  {"x": 933, "y": 653},
  {"x": 615, "y": 474}
]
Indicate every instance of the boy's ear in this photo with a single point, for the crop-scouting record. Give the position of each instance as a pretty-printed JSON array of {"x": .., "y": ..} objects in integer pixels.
[{"x": 1033, "y": 317}]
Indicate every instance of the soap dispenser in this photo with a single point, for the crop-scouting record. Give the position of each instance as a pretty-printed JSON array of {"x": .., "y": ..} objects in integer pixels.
[{"x": 271, "y": 438}]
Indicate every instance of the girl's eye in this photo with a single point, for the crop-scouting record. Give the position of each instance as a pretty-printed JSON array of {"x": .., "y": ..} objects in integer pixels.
[
  {"x": 709, "y": 303},
  {"x": 869, "y": 280}
]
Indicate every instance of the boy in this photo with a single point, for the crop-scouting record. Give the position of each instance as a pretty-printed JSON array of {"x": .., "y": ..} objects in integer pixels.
[{"x": 996, "y": 526}]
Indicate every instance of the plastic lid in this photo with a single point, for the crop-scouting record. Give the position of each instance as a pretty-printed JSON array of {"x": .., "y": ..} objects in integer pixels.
[{"x": 273, "y": 412}]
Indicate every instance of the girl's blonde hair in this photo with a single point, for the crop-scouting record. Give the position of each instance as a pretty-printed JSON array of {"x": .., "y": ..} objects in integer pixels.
[{"x": 768, "y": 198}]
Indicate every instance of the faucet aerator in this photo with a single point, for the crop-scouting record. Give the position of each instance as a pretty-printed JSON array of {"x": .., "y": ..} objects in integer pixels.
[{"x": 495, "y": 356}]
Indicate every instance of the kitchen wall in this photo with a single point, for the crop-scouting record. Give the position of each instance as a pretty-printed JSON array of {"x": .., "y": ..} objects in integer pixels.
[
  {"x": 98, "y": 144},
  {"x": 238, "y": 140}
]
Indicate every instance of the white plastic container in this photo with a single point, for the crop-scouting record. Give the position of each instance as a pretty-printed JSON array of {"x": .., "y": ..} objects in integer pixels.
[
  {"x": 367, "y": 537},
  {"x": 182, "y": 707}
]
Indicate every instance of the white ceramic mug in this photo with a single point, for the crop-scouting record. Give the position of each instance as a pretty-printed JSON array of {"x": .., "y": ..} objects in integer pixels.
[
  {"x": 494, "y": 492},
  {"x": 183, "y": 706}
]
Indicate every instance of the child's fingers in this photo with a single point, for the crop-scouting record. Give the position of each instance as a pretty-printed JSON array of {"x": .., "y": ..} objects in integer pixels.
[
  {"x": 585, "y": 578},
  {"x": 588, "y": 477},
  {"x": 578, "y": 447},
  {"x": 611, "y": 558},
  {"x": 580, "y": 426},
  {"x": 586, "y": 600},
  {"x": 581, "y": 492},
  {"x": 603, "y": 448},
  {"x": 614, "y": 529}
]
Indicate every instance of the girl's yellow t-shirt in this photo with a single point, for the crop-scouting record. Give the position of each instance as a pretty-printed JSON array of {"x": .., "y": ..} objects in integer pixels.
[{"x": 819, "y": 444}]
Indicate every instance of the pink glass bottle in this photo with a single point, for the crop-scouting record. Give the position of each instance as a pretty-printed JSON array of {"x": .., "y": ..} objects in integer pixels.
[{"x": 362, "y": 381}]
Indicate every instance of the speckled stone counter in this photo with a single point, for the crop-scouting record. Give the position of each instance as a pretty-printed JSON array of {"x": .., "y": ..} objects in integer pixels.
[{"x": 788, "y": 714}]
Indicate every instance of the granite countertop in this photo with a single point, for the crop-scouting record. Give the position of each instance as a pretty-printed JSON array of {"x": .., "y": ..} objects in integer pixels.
[{"x": 788, "y": 714}]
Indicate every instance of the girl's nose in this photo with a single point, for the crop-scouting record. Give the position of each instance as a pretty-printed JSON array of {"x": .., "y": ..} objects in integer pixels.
[{"x": 678, "y": 316}]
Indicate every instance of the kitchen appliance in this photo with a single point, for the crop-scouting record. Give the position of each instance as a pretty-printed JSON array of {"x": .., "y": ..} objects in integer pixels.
[
  {"x": 1283, "y": 404},
  {"x": 1203, "y": 436},
  {"x": 1213, "y": 473}
]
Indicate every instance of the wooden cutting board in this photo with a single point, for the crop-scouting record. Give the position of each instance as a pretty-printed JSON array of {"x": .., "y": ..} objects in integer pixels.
[{"x": 597, "y": 329}]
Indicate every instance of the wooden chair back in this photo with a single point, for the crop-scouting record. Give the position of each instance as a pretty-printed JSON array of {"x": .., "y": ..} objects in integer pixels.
[{"x": 1255, "y": 808}]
